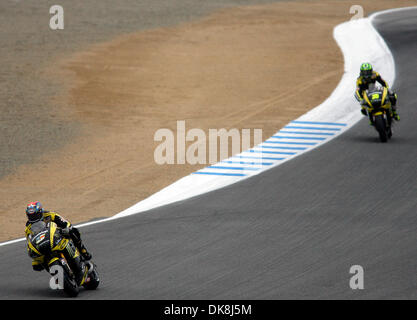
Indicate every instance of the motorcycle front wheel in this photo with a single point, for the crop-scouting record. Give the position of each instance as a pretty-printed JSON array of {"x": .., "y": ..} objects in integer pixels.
[
  {"x": 70, "y": 284},
  {"x": 381, "y": 127}
]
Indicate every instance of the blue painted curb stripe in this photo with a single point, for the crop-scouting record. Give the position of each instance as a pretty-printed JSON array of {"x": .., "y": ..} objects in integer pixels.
[
  {"x": 221, "y": 174},
  {"x": 232, "y": 168},
  {"x": 322, "y": 123},
  {"x": 270, "y": 152},
  {"x": 289, "y": 148},
  {"x": 251, "y": 163},
  {"x": 312, "y": 128},
  {"x": 304, "y": 132},
  {"x": 262, "y": 148},
  {"x": 258, "y": 158},
  {"x": 297, "y": 143},
  {"x": 301, "y": 138}
]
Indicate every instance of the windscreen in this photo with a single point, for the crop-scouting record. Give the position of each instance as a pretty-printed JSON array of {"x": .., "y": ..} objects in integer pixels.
[{"x": 38, "y": 227}]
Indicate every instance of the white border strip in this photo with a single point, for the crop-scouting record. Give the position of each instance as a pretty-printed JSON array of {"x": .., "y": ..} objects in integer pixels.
[{"x": 353, "y": 37}]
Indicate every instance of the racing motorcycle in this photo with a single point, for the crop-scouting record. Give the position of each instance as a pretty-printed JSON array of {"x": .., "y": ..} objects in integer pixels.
[
  {"x": 51, "y": 247},
  {"x": 378, "y": 107}
]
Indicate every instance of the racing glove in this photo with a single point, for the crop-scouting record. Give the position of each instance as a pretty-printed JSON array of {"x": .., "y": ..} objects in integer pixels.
[{"x": 66, "y": 232}]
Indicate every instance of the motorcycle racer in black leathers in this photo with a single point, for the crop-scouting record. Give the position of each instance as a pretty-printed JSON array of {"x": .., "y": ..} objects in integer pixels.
[
  {"x": 36, "y": 213},
  {"x": 369, "y": 77}
]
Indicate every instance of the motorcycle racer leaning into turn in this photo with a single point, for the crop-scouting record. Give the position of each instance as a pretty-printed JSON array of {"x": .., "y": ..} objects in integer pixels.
[
  {"x": 369, "y": 77},
  {"x": 36, "y": 213}
]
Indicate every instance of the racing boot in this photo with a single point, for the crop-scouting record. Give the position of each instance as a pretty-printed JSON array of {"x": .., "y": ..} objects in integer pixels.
[
  {"x": 393, "y": 99},
  {"x": 86, "y": 255}
]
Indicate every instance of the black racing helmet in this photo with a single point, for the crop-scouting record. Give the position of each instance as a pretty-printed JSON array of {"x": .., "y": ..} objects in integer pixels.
[{"x": 34, "y": 211}]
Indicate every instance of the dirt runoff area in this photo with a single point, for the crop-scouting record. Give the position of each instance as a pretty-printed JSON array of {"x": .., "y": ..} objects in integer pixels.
[{"x": 242, "y": 67}]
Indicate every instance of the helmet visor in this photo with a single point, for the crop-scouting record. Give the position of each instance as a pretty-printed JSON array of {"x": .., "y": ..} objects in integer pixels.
[
  {"x": 35, "y": 216},
  {"x": 366, "y": 73},
  {"x": 34, "y": 212}
]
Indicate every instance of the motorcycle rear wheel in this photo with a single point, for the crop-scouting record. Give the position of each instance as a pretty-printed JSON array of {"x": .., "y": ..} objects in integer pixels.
[{"x": 93, "y": 278}]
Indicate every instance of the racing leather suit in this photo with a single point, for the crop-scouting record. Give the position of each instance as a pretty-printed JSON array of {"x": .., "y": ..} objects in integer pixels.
[{"x": 73, "y": 233}]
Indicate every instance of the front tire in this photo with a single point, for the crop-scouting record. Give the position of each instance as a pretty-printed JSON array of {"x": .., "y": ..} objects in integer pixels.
[
  {"x": 70, "y": 286},
  {"x": 380, "y": 126}
]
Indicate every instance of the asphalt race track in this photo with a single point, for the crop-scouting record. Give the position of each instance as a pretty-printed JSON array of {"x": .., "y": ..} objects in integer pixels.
[{"x": 291, "y": 232}]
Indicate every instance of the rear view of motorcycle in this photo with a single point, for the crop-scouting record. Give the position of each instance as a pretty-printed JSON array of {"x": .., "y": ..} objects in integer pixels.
[
  {"x": 60, "y": 257},
  {"x": 378, "y": 107}
]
